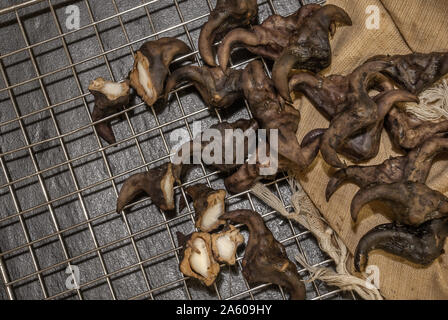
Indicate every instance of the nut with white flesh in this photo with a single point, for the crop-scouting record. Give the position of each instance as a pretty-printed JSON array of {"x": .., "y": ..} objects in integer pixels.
[
  {"x": 225, "y": 244},
  {"x": 141, "y": 79},
  {"x": 151, "y": 64},
  {"x": 157, "y": 183},
  {"x": 110, "y": 98},
  {"x": 111, "y": 90},
  {"x": 198, "y": 261},
  {"x": 209, "y": 206}
]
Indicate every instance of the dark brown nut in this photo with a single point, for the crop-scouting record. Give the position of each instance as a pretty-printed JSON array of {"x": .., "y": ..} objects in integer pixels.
[
  {"x": 356, "y": 130},
  {"x": 227, "y": 15},
  {"x": 413, "y": 167},
  {"x": 421, "y": 245},
  {"x": 110, "y": 98},
  {"x": 217, "y": 89},
  {"x": 271, "y": 112},
  {"x": 265, "y": 259},
  {"x": 309, "y": 48},
  {"x": 243, "y": 179},
  {"x": 331, "y": 95},
  {"x": 412, "y": 203},
  {"x": 268, "y": 39},
  {"x": 415, "y": 72},
  {"x": 157, "y": 183},
  {"x": 336, "y": 94},
  {"x": 198, "y": 261},
  {"x": 209, "y": 206},
  {"x": 226, "y": 166},
  {"x": 151, "y": 67},
  {"x": 408, "y": 132}
]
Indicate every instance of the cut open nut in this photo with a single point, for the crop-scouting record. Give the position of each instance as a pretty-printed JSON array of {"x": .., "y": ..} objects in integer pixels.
[
  {"x": 111, "y": 90},
  {"x": 198, "y": 261},
  {"x": 157, "y": 183},
  {"x": 209, "y": 206},
  {"x": 110, "y": 98},
  {"x": 225, "y": 244},
  {"x": 167, "y": 187},
  {"x": 151, "y": 64},
  {"x": 141, "y": 79}
]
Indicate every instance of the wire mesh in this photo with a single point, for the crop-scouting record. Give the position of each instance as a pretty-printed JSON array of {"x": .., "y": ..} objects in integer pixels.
[{"x": 59, "y": 181}]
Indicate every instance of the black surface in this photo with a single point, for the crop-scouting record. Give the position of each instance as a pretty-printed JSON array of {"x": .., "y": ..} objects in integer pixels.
[{"x": 99, "y": 200}]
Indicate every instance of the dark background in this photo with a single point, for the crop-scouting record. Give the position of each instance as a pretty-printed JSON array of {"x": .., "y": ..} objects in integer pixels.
[{"x": 57, "y": 197}]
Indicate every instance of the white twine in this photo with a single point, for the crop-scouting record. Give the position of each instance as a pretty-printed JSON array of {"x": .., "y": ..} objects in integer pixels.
[
  {"x": 433, "y": 104},
  {"x": 308, "y": 216}
]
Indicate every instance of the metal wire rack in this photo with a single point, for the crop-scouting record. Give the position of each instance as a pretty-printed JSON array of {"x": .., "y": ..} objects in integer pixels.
[{"x": 59, "y": 181}]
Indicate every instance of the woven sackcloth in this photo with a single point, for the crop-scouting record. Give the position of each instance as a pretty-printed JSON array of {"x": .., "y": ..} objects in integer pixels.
[{"x": 404, "y": 26}]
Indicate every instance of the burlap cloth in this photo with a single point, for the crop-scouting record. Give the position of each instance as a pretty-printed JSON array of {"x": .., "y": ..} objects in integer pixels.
[{"x": 419, "y": 25}]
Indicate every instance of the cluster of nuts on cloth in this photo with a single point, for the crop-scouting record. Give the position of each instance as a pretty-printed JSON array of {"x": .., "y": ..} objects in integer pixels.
[{"x": 358, "y": 106}]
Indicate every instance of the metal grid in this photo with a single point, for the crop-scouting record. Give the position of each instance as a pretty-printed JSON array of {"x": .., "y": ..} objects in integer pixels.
[{"x": 59, "y": 181}]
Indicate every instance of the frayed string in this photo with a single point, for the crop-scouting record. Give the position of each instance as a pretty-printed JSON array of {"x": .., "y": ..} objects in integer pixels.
[
  {"x": 433, "y": 104},
  {"x": 306, "y": 214}
]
